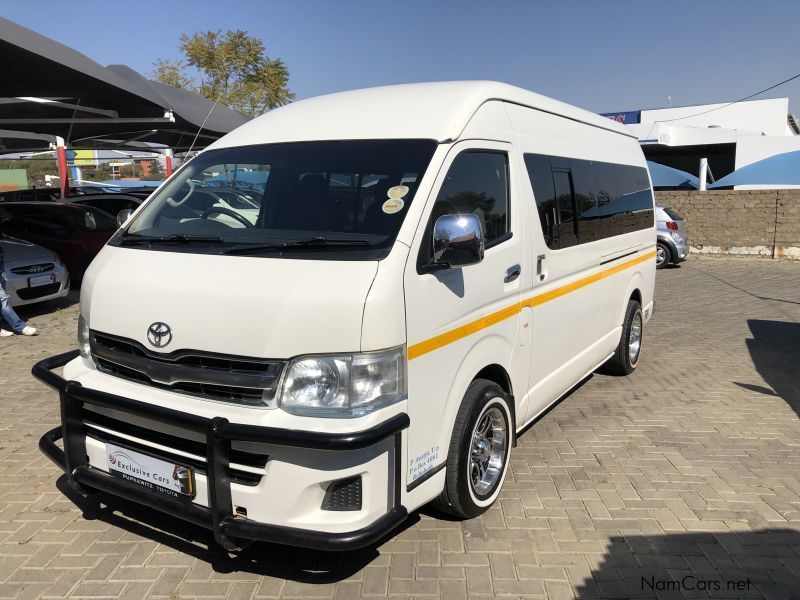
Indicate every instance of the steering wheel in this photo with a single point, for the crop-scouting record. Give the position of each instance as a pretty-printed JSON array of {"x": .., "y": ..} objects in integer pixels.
[
  {"x": 174, "y": 203},
  {"x": 226, "y": 211}
]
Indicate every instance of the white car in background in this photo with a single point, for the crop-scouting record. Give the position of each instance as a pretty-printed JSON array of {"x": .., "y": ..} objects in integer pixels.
[{"x": 31, "y": 273}]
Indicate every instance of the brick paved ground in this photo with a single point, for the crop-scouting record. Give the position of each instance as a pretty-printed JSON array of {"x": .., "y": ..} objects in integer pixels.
[{"x": 689, "y": 467}]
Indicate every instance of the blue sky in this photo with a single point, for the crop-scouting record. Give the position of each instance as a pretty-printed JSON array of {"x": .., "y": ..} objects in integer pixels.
[{"x": 601, "y": 55}]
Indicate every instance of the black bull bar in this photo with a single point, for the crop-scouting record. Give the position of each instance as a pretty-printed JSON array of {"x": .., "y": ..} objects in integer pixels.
[{"x": 229, "y": 530}]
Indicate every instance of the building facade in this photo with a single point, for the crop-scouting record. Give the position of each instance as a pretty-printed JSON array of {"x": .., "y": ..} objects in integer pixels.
[{"x": 729, "y": 135}]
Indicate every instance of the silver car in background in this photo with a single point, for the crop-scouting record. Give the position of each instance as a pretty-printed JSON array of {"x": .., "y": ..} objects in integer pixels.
[
  {"x": 672, "y": 245},
  {"x": 31, "y": 273}
]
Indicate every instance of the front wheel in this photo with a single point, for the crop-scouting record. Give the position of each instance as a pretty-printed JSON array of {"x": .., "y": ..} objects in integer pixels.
[
  {"x": 629, "y": 348},
  {"x": 480, "y": 447}
]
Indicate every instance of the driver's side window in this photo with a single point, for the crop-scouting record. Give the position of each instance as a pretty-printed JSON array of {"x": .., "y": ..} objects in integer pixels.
[{"x": 477, "y": 183}]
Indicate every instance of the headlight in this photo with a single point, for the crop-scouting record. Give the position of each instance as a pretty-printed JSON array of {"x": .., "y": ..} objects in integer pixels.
[
  {"x": 83, "y": 337},
  {"x": 344, "y": 385}
]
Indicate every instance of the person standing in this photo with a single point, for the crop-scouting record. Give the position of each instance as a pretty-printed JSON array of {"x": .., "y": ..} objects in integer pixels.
[
  {"x": 7, "y": 313},
  {"x": 10, "y": 316}
]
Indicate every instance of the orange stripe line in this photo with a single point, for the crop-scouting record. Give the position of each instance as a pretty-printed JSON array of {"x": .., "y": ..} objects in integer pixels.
[{"x": 448, "y": 337}]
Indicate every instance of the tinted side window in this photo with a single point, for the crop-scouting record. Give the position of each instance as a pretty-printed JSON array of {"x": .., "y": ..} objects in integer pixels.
[
  {"x": 608, "y": 199},
  {"x": 624, "y": 202},
  {"x": 541, "y": 177},
  {"x": 477, "y": 183}
]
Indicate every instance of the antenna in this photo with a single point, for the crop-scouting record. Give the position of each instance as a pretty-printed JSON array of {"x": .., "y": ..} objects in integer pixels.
[{"x": 197, "y": 135}]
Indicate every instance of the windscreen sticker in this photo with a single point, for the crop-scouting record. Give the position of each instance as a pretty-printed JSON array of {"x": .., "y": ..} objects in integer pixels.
[
  {"x": 398, "y": 191},
  {"x": 395, "y": 202},
  {"x": 393, "y": 205}
]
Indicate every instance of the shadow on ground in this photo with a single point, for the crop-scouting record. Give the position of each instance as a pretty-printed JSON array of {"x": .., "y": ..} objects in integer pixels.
[
  {"x": 775, "y": 351},
  {"x": 273, "y": 560},
  {"x": 759, "y": 564}
]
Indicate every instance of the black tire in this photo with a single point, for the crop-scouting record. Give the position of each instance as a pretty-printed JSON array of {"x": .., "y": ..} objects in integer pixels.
[
  {"x": 667, "y": 255},
  {"x": 624, "y": 360},
  {"x": 460, "y": 498}
]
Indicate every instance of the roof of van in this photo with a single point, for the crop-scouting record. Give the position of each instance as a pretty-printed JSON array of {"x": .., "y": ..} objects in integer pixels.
[{"x": 437, "y": 111}]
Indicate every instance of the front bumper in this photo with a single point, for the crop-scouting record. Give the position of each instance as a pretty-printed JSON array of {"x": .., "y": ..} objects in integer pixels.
[
  {"x": 229, "y": 530},
  {"x": 20, "y": 293}
]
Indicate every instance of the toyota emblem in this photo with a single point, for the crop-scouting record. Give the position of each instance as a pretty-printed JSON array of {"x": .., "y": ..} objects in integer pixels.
[{"x": 159, "y": 334}]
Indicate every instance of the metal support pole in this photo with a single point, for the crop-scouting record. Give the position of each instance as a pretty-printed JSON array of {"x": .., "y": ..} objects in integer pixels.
[
  {"x": 168, "y": 162},
  {"x": 703, "y": 173},
  {"x": 61, "y": 156}
]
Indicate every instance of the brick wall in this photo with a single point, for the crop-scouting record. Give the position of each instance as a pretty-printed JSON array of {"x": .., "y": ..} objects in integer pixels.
[{"x": 762, "y": 223}]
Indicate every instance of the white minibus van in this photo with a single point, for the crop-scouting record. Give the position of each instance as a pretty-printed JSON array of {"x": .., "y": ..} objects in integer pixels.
[{"x": 350, "y": 306}]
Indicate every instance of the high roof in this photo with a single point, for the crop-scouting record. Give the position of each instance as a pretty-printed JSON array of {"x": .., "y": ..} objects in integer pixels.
[{"x": 437, "y": 111}]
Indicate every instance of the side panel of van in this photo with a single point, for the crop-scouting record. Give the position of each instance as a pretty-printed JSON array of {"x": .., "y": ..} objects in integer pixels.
[
  {"x": 545, "y": 329},
  {"x": 463, "y": 319},
  {"x": 566, "y": 328},
  {"x": 578, "y": 304}
]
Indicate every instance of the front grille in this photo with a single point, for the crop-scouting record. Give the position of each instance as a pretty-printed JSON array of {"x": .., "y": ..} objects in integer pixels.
[
  {"x": 33, "y": 269},
  {"x": 40, "y": 291},
  {"x": 175, "y": 442},
  {"x": 235, "y": 379}
]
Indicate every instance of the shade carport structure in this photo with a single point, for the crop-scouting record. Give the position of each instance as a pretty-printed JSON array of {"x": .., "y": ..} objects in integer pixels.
[
  {"x": 51, "y": 89},
  {"x": 664, "y": 176},
  {"x": 779, "y": 170}
]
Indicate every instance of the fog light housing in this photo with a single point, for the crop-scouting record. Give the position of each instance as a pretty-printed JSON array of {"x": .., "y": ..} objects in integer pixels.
[{"x": 343, "y": 494}]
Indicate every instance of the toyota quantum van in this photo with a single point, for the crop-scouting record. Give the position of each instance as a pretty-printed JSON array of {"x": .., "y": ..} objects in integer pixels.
[{"x": 350, "y": 306}]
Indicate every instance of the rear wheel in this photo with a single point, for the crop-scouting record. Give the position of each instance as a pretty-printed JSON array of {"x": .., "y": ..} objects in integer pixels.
[
  {"x": 480, "y": 447},
  {"x": 663, "y": 255},
  {"x": 629, "y": 349}
]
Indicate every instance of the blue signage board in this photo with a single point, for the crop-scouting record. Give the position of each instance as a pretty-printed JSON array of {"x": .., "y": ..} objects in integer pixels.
[{"x": 626, "y": 118}]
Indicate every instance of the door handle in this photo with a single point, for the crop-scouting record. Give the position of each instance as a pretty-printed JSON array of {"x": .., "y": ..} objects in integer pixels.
[
  {"x": 539, "y": 261},
  {"x": 512, "y": 273}
]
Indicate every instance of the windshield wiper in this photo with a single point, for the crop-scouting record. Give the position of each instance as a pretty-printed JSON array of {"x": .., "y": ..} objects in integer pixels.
[
  {"x": 177, "y": 238},
  {"x": 306, "y": 244},
  {"x": 323, "y": 241}
]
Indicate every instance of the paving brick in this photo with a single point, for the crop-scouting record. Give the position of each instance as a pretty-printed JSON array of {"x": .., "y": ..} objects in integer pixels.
[{"x": 689, "y": 465}]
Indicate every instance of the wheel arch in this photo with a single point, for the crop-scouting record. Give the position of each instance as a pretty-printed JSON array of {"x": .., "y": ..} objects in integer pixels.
[
  {"x": 489, "y": 358},
  {"x": 633, "y": 292}
]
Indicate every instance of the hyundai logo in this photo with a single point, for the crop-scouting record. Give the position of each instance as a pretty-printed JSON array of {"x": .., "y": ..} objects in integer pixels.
[
  {"x": 37, "y": 269},
  {"x": 159, "y": 334}
]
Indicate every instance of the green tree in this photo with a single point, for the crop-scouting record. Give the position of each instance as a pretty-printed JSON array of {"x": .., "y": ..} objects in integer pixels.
[
  {"x": 36, "y": 168},
  {"x": 230, "y": 68},
  {"x": 172, "y": 73}
]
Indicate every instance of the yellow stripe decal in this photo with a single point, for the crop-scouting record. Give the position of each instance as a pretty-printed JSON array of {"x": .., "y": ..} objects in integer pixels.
[{"x": 458, "y": 333}]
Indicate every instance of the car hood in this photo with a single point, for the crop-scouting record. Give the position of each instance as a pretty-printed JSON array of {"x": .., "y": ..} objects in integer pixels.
[
  {"x": 246, "y": 306},
  {"x": 15, "y": 251}
]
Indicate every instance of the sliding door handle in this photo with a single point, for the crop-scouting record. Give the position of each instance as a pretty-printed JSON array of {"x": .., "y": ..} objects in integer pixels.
[{"x": 512, "y": 273}]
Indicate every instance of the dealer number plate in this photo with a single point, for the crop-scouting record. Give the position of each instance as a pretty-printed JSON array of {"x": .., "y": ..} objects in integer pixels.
[{"x": 161, "y": 476}]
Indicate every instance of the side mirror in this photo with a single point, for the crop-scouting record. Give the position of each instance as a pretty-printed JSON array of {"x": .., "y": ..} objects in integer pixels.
[
  {"x": 123, "y": 216},
  {"x": 457, "y": 240}
]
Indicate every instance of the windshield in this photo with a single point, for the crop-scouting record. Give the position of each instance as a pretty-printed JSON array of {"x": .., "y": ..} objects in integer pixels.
[{"x": 339, "y": 199}]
